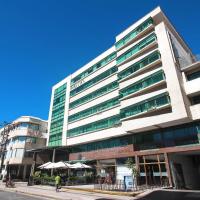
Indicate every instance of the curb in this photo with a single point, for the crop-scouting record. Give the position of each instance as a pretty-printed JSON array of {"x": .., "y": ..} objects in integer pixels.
[
  {"x": 65, "y": 189},
  {"x": 131, "y": 194}
]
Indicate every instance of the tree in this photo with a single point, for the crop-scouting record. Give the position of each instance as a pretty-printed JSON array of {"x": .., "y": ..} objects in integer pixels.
[{"x": 135, "y": 172}]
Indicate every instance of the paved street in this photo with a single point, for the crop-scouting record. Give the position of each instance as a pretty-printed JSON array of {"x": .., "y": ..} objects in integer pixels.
[
  {"x": 47, "y": 192},
  {"x": 15, "y": 196},
  {"x": 64, "y": 194},
  {"x": 172, "y": 195}
]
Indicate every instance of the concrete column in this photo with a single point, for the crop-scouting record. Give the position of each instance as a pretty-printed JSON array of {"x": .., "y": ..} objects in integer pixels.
[
  {"x": 18, "y": 171},
  {"x": 168, "y": 169},
  {"x": 33, "y": 164},
  {"x": 24, "y": 172},
  {"x": 53, "y": 160},
  {"x": 137, "y": 162},
  {"x": 137, "y": 167}
]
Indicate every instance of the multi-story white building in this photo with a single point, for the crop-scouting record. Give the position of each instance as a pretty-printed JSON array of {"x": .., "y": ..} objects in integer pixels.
[
  {"x": 140, "y": 98},
  {"x": 25, "y": 133}
]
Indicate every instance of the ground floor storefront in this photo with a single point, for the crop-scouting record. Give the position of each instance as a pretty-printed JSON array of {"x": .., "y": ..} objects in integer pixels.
[
  {"x": 164, "y": 157},
  {"x": 167, "y": 157},
  {"x": 19, "y": 172},
  {"x": 172, "y": 167}
]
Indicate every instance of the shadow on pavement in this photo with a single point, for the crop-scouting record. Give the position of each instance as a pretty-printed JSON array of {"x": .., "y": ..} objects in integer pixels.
[{"x": 172, "y": 195}]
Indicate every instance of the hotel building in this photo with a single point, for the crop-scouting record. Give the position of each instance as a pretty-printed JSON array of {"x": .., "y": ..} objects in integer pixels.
[
  {"x": 140, "y": 99},
  {"x": 20, "y": 136}
]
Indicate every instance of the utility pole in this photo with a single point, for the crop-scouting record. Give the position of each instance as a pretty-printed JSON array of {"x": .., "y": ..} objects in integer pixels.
[{"x": 3, "y": 141}]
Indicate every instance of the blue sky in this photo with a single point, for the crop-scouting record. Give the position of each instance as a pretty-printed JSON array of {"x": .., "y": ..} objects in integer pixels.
[{"x": 43, "y": 41}]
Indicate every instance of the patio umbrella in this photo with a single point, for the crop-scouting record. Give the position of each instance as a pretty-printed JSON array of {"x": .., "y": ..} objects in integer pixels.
[
  {"x": 44, "y": 165},
  {"x": 80, "y": 166},
  {"x": 58, "y": 165},
  {"x": 50, "y": 166},
  {"x": 61, "y": 165}
]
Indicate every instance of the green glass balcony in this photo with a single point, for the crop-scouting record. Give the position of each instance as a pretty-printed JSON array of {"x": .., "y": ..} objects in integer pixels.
[
  {"x": 137, "y": 48},
  {"x": 93, "y": 81},
  {"x": 102, "y": 91},
  {"x": 94, "y": 68},
  {"x": 133, "y": 34},
  {"x": 143, "y": 83},
  {"x": 145, "y": 106},
  {"x": 94, "y": 110},
  {"x": 95, "y": 126},
  {"x": 151, "y": 58}
]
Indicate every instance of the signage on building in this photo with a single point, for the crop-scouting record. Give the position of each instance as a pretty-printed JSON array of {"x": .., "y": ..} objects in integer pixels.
[
  {"x": 34, "y": 133},
  {"x": 128, "y": 182},
  {"x": 79, "y": 83}
]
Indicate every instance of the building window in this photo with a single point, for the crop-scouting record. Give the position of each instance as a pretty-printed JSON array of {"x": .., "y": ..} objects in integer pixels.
[
  {"x": 94, "y": 110},
  {"x": 143, "y": 83},
  {"x": 19, "y": 153},
  {"x": 186, "y": 134},
  {"x": 138, "y": 47},
  {"x": 193, "y": 76},
  {"x": 94, "y": 68},
  {"x": 93, "y": 81},
  {"x": 145, "y": 106},
  {"x": 95, "y": 126},
  {"x": 139, "y": 65},
  {"x": 195, "y": 100},
  {"x": 57, "y": 117},
  {"x": 102, "y": 91},
  {"x": 134, "y": 33}
]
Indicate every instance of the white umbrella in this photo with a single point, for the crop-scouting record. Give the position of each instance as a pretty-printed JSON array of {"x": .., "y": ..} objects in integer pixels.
[
  {"x": 62, "y": 165},
  {"x": 50, "y": 166},
  {"x": 80, "y": 166},
  {"x": 44, "y": 165}
]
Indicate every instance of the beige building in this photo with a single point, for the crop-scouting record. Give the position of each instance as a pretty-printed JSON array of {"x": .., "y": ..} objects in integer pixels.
[
  {"x": 25, "y": 133},
  {"x": 139, "y": 99}
]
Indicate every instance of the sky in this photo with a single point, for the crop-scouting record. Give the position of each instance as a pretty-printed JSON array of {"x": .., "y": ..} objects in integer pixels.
[{"x": 43, "y": 41}]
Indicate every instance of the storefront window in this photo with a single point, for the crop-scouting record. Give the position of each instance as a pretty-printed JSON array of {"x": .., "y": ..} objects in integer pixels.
[{"x": 152, "y": 170}]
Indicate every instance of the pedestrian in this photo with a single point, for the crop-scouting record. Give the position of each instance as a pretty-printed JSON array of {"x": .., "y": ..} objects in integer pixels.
[{"x": 57, "y": 182}]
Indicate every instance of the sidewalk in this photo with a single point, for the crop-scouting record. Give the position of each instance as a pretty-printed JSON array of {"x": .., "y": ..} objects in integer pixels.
[{"x": 65, "y": 194}]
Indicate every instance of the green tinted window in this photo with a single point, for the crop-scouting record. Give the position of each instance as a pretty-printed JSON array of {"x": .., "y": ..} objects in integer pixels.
[
  {"x": 57, "y": 117},
  {"x": 139, "y": 65},
  {"x": 108, "y": 88},
  {"x": 141, "y": 84},
  {"x": 144, "y": 106},
  {"x": 94, "y": 68},
  {"x": 134, "y": 33},
  {"x": 193, "y": 75},
  {"x": 135, "y": 49},
  {"x": 95, "y": 109},
  {"x": 95, "y": 126},
  {"x": 185, "y": 134},
  {"x": 93, "y": 81}
]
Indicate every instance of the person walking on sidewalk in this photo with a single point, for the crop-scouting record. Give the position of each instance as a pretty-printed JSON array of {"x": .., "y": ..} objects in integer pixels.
[{"x": 57, "y": 182}]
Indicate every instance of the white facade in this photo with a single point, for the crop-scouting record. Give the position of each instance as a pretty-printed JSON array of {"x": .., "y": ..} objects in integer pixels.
[
  {"x": 25, "y": 133},
  {"x": 174, "y": 63}
]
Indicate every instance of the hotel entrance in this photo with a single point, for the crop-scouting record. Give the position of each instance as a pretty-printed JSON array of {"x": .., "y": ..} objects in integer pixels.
[
  {"x": 152, "y": 170},
  {"x": 106, "y": 170}
]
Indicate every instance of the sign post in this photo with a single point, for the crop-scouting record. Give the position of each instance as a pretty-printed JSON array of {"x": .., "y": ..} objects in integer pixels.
[{"x": 128, "y": 183}]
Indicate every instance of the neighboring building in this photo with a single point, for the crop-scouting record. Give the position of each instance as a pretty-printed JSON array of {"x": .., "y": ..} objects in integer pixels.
[
  {"x": 141, "y": 99},
  {"x": 25, "y": 133}
]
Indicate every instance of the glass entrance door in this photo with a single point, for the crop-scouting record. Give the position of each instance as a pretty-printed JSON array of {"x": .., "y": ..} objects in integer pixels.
[{"x": 153, "y": 170}]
